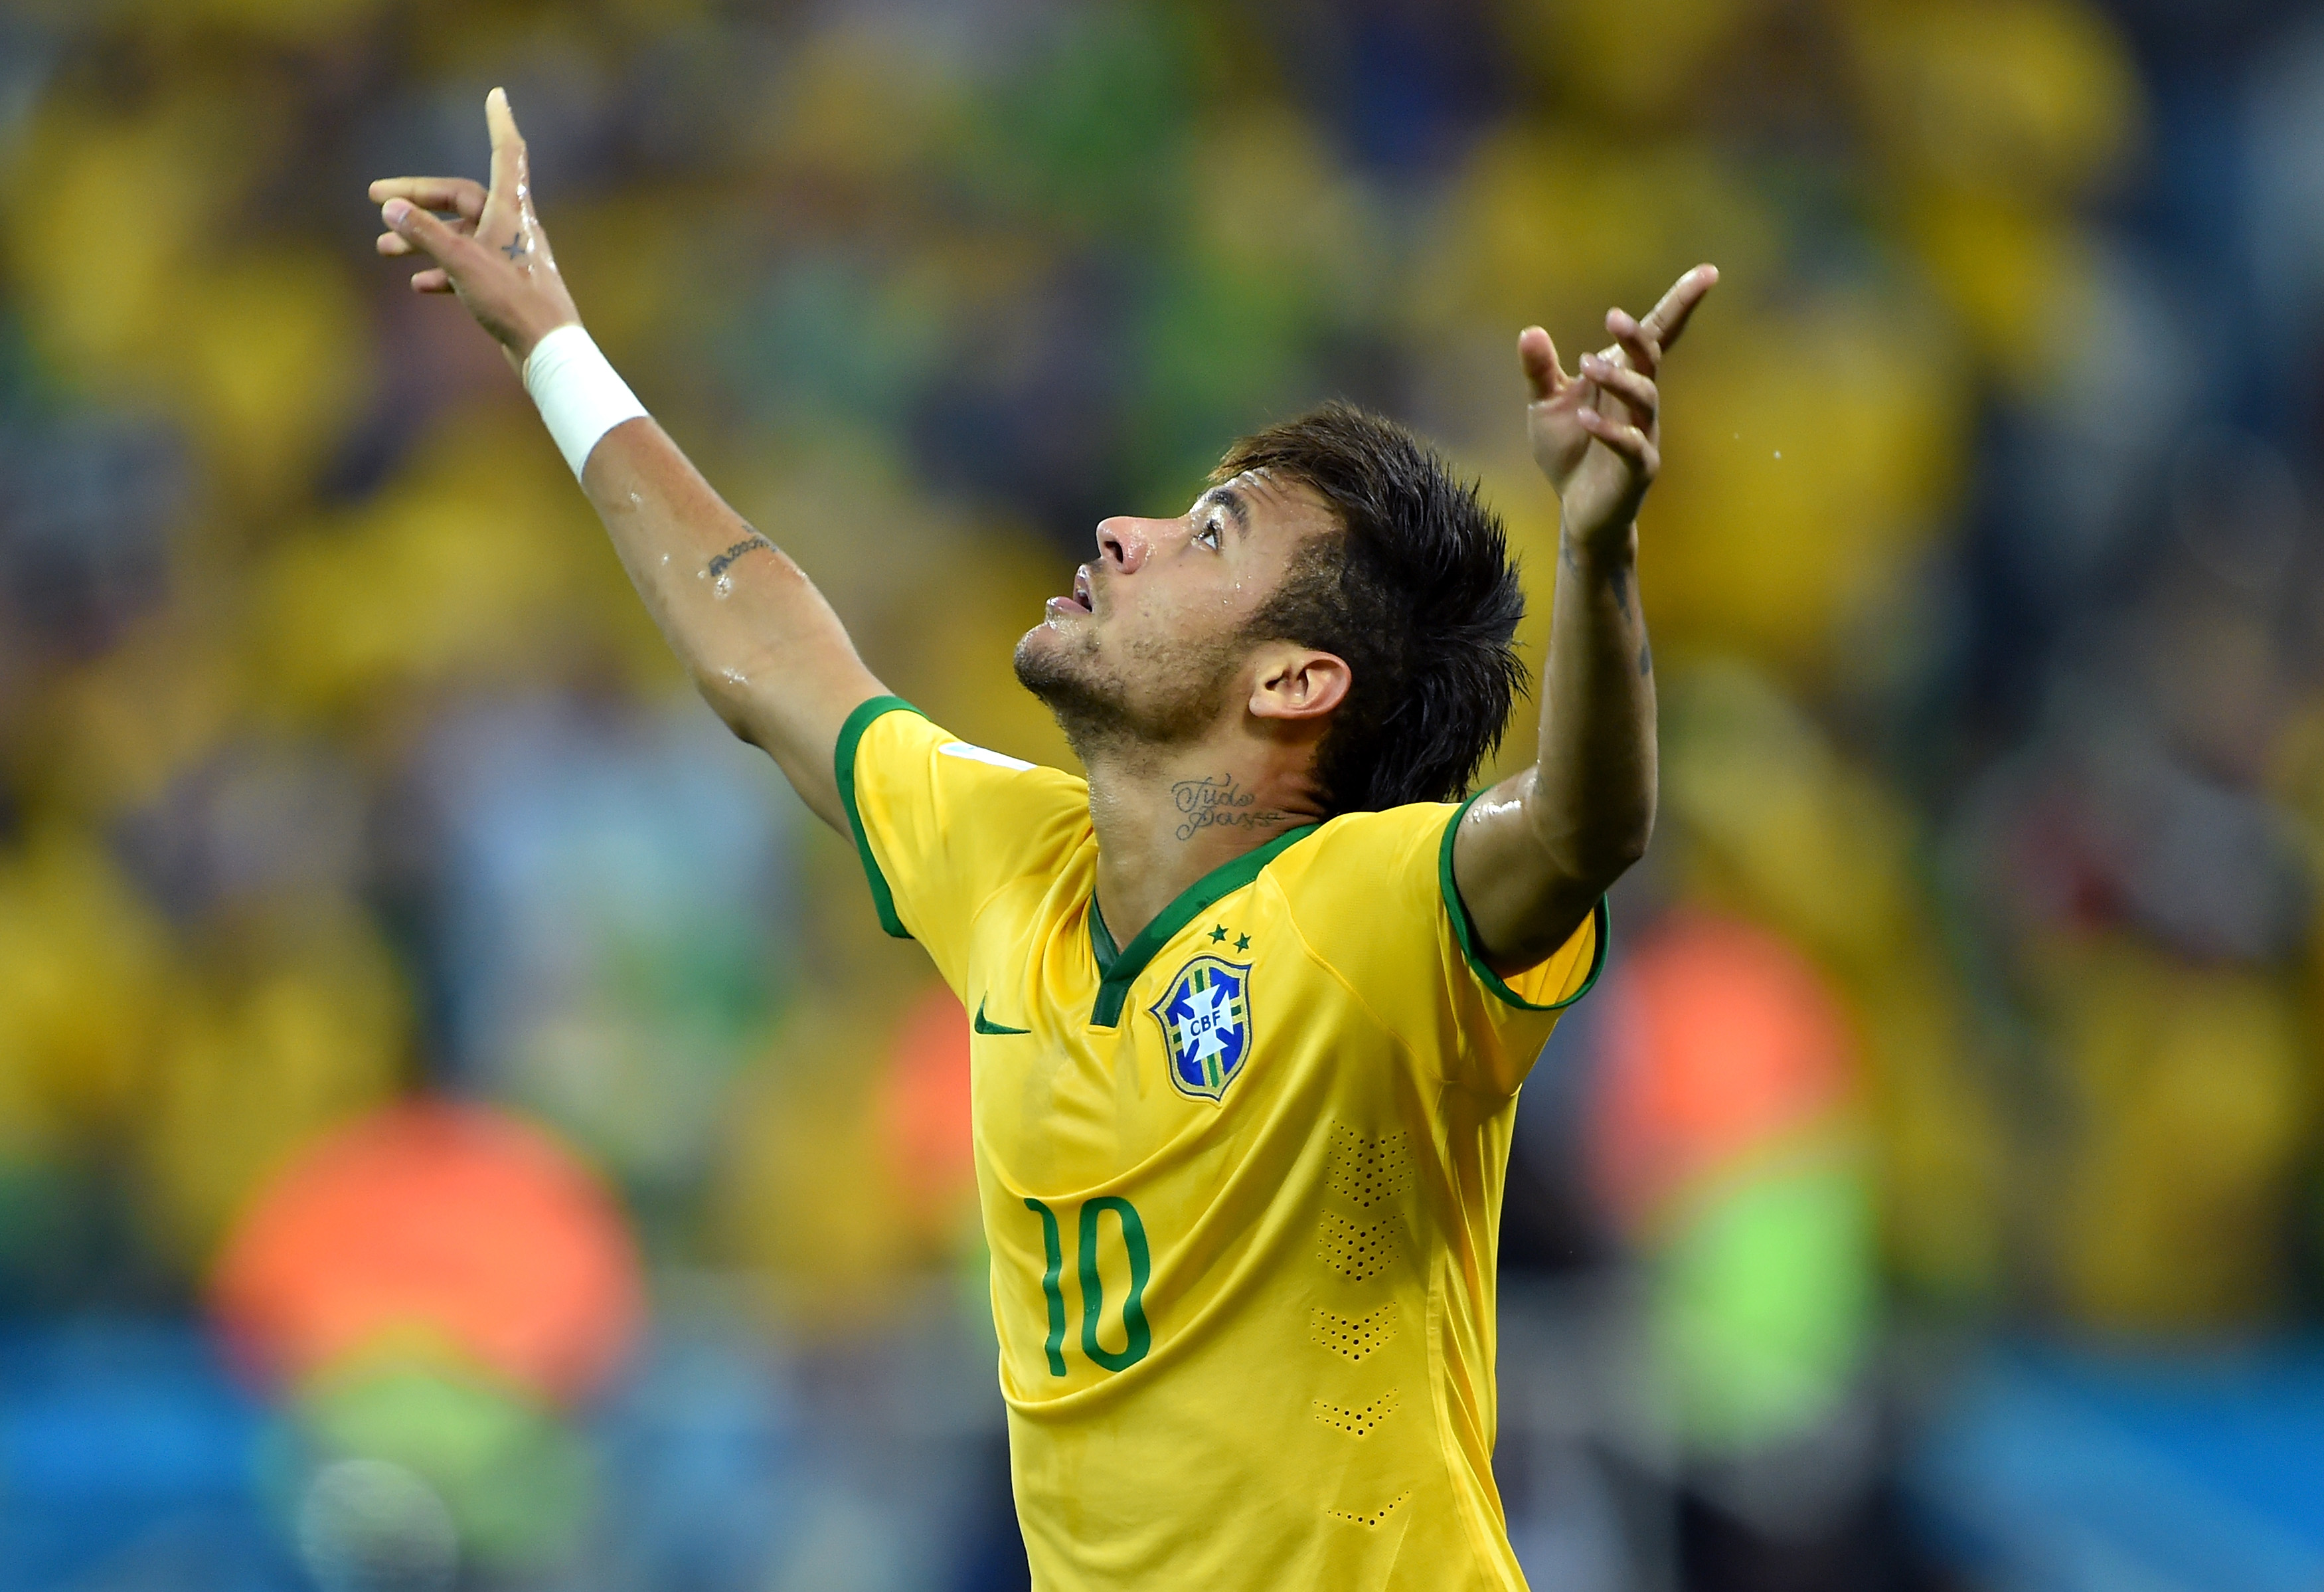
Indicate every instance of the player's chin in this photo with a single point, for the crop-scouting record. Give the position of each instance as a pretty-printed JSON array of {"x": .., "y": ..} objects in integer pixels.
[
  {"x": 1051, "y": 654},
  {"x": 1065, "y": 629}
]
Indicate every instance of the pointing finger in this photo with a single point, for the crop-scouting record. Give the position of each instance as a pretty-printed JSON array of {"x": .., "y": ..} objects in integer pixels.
[
  {"x": 1539, "y": 355},
  {"x": 459, "y": 195},
  {"x": 500, "y": 120},
  {"x": 1668, "y": 319},
  {"x": 508, "y": 147}
]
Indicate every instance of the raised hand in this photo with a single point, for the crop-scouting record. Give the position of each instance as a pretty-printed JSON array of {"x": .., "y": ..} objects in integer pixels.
[
  {"x": 1597, "y": 434},
  {"x": 493, "y": 252}
]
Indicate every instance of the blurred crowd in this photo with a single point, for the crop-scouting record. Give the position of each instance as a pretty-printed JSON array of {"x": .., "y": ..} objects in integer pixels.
[{"x": 363, "y": 851}]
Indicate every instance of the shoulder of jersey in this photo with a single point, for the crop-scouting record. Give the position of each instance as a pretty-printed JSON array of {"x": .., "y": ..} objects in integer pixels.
[
  {"x": 1336, "y": 882},
  {"x": 1034, "y": 772},
  {"x": 1357, "y": 839}
]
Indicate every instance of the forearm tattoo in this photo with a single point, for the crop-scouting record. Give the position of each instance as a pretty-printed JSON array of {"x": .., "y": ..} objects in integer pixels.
[
  {"x": 749, "y": 544},
  {"x": 1618, "y": 577},
  {"x": 1219, "y": 803}
]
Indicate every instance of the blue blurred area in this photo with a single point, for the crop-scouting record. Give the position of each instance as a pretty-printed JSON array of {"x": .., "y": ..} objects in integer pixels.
[
  {"x": 129, "y": 1459},
  {"x": 2185, "y": 1471}
]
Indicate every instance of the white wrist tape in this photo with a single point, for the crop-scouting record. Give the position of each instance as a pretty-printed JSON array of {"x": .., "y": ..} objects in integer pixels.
[{"x": 579, "y": 395}]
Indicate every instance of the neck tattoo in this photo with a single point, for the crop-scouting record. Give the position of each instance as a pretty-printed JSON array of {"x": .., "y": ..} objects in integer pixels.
[{"x": 1218, "y": 803}]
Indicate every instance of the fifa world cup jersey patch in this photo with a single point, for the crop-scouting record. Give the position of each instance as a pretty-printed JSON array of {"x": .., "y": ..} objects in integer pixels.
[{"x": 1205, "y": 1019}]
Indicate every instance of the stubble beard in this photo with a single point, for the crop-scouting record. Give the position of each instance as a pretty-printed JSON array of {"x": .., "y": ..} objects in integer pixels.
[{"x": 1104, "y": 714}]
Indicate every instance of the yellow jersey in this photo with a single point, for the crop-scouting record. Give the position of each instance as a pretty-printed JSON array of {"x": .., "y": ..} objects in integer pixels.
[{"x": 1241, "y": 1177}]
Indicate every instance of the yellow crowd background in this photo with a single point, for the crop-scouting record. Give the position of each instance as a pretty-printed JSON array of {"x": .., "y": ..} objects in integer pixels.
[{"x": 1976, "y": 589}]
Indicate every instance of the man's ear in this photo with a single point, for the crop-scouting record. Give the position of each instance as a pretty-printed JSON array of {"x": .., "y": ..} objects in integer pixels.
[{"x": 1297, "y": 683}]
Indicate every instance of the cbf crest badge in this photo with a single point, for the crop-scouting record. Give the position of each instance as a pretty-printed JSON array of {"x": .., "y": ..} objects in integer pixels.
[{"x": 1205, "y": 1021}]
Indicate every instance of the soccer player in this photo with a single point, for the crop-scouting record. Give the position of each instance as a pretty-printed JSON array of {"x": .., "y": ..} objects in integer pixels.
[{"x": 1253, "y": 1002}]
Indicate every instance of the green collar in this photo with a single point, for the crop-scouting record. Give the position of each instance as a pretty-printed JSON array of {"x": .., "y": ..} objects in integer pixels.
[
  {"x": 1119, "y": 969},
  {"x": 1102, "y": 939}
]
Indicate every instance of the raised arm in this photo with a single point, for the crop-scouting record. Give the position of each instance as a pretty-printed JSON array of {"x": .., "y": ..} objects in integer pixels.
[
  {"x": 762, "y": 645},
  {"x": 1534, "y": 857}
]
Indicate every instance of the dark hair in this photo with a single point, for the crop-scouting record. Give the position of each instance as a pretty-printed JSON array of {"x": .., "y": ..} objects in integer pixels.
[{"x": 1417, "y": 593}]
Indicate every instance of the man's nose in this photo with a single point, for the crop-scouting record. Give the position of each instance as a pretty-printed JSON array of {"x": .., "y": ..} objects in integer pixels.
[{"x": 1124, "y": 542}]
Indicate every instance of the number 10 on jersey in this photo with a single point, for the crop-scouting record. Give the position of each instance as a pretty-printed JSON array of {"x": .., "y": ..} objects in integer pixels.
[{"x": 1138, "y": 1337}]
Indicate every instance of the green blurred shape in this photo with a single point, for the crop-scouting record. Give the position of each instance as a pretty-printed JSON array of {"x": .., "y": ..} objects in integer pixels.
[
  {"x": 1091, "y": 131},
  {"x": 1220, "y": 353},
  {"x": 515, "y": 1477},
  {"x": 837, "y": 332},
  {"x": 38, "y": 1222},
  {"x": 1763, "y": 1302}
]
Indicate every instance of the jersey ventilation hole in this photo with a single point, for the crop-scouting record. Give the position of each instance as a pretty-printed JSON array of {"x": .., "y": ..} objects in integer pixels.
[
  {"x": 1355, "y": 1422},
  {"x": 1368, "y": 1171},
  {"x": 1374, "y": 1519},
  {"x": 1356, "y": 1250},
  {"x": 1352, "y": 1337}
]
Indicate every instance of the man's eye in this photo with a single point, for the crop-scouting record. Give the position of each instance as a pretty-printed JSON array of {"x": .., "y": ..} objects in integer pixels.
[{"x": 1210, "y": 534}]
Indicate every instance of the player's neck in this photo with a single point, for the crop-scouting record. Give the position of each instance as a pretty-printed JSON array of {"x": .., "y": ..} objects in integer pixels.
[{"x": 1164, "y": 818}]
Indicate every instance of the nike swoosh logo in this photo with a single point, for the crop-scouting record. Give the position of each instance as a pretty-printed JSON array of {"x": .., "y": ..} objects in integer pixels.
[{"x": 985, "y": 1027}]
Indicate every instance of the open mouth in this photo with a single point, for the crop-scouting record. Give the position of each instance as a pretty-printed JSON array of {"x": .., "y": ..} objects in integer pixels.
[{"x": 1083, "y": 599}]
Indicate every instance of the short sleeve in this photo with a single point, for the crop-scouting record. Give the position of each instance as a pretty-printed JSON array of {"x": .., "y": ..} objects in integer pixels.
[
  {"x": 940, "y": 825},
  {"x": 1376, "y": 899}
]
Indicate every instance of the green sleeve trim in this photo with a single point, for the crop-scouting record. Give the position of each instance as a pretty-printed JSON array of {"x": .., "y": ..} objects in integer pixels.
[
  {"x": 844, "y": 764},
  {"x": 1465, "y": 931},
  {"x": 1115, "y": 979}
]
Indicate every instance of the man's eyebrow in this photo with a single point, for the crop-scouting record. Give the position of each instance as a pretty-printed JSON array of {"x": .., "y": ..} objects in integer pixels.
[{"x": 1233, "y": 502}]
